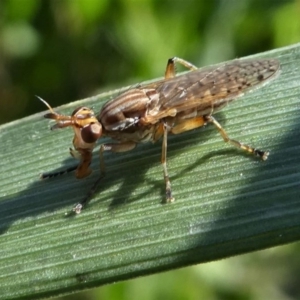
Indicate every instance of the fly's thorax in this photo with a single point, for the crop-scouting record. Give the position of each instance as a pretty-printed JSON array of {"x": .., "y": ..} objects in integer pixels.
[
  {"x": 136, "y": 134},
  {"x": 127, "y": 109}
]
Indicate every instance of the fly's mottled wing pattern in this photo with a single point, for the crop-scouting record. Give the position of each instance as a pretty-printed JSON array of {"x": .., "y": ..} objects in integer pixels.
[{"x": 213, "y": 87}]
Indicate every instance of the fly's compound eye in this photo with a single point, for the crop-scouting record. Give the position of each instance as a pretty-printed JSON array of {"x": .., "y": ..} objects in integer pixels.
[{"x": 91, "y": 133}]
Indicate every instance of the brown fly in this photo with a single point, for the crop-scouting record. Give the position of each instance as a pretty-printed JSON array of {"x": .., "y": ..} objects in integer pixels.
[{"x": 149, "y": 112}]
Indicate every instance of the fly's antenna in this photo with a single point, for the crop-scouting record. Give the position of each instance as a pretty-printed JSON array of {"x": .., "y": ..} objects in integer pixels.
[{"x": 47, "y": 104}]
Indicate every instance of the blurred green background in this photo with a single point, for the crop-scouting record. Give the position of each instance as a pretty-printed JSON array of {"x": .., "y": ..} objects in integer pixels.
[{"x": 65, "y": 50}]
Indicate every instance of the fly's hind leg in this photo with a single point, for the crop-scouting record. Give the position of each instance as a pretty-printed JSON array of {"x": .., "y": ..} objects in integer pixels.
[
  {"x": 262, "y": 154},
  {"x": 121, "y": 147},
  {"x": 171, "y": 71}
]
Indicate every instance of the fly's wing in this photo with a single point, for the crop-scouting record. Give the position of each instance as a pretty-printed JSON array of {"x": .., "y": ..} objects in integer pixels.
[{"x": 211, "y": 88}]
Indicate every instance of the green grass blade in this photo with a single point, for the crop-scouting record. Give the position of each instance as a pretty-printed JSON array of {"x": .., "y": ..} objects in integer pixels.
[{"x": 227, "y": 202}]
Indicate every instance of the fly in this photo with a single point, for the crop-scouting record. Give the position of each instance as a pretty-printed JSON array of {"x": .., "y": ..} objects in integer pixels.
[{"x": 150, "y": 112}]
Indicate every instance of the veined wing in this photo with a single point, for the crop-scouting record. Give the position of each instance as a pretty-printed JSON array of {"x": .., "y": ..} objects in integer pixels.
[{"x": 212, "y": 87}]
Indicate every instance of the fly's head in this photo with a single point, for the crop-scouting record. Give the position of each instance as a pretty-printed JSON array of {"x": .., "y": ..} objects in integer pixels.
[
  {"x": 86, "y": 127},
  {"x": 87, "y": 130}
]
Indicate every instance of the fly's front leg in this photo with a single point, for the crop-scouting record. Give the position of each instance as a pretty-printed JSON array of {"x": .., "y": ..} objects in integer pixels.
[
  {"x": 58, "y": 173},
  {"x": 262, "y": 154},
  {"x": 82, "y": 169},
  {"x": 169, "y": 197},
  {"x": 122, "y": 147},
  {"x": 170, "y": 70}
]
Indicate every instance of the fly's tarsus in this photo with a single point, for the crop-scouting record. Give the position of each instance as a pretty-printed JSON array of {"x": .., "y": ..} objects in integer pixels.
[
  {"x": 152, "y": 111},
  {"x": 78, "y": 207},
  {"x": 262, "y": 154},
  {"x": 58, "y": 173}
]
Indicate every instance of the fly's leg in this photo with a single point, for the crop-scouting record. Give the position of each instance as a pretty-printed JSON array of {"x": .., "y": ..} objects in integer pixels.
[
  {"x": 82, "y": 169},
  {"x": 189, "y": 124},
  {"x": 58, "y": 173},
  {"x": 184, "y": 125},
  {"x": 122, "y": 147},
  {"x": 79, "y": 206},
  {"x": 169, "y": 197},
  {"x": 170, "y": 70},
  {"x": 262, "y": 154}
]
